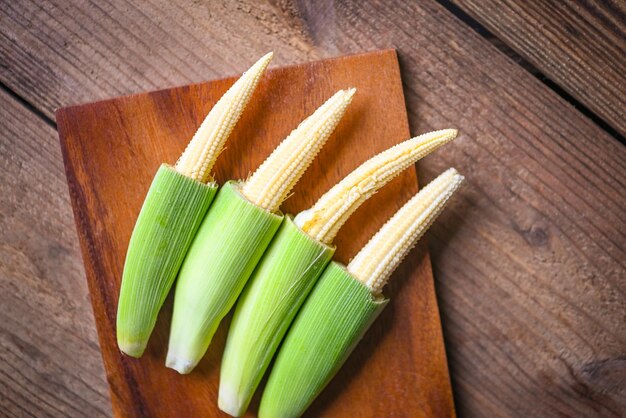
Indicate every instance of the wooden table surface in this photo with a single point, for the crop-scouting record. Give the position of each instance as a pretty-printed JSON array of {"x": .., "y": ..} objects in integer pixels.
[{"x": 529, "y": 261}]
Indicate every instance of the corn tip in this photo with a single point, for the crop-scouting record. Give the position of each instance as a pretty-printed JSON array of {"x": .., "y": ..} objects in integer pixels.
[
  {"x": 208, "y": 142},
  {"x": 323, "y": 221},
  {"x": 376, "y": 261},
  {"x": 441, "y": 136},
  {"x": 261, "y": 65},
  {"x": 272, "y": 182}
]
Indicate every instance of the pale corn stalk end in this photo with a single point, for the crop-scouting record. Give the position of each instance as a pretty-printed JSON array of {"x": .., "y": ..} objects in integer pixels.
[
  {"x": 200, "y": 155},
  {"x": 272, "y": 182},
  {"x": 332, "y": 210},
  {"x": 376, "y": 261}
]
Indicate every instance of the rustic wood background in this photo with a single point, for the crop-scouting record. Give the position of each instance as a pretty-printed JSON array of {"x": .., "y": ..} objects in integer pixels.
[{"x": 530, "y": 261}]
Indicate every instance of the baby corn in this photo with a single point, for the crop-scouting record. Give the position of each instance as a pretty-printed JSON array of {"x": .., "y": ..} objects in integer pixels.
[
  {"x": 332, "y": 210},
  {"x": 235, "y": 233},
  {"x": 344, "y": 303},
  {"x": 172, "y": 211}
]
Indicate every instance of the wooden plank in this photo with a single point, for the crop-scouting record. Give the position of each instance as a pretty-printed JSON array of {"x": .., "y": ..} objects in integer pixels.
[
  {"x": 532, "y": 317},
  {"x": 579, "y": 45},
  {"x": 529, "y": 263},
  {"x": 50, "y": 361},
  {"x": 91, "y": 50},
  {"x": 112, "y": 150}
]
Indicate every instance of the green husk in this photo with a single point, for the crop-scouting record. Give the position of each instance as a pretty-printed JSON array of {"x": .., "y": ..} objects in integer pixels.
[
  {"x": 171, "y": 213},
  {"x": 225, "y": 251},
  {"x": 278, "y": 287},
  {"x": 331, "y": 322}
]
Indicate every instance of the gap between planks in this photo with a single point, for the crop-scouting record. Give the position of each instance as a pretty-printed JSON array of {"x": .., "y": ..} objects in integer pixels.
[{"x": 553, "y": 85}]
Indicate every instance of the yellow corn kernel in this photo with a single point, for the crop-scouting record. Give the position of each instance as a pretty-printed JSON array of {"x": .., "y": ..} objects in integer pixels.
[
  {"x": 199, "y": 157},
  {"x": 332, "y": 210},
  {"x": 272, "y": 182},
  {"x": 376, "y": 261}
]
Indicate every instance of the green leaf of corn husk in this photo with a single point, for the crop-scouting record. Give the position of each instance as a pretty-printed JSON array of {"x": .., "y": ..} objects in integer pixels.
[
  {"x": 275, "y": 292},
  {"x": 167, "y": 223},
  {"x": 332, "y": 321},
  {"x": 227, "y": 247}
]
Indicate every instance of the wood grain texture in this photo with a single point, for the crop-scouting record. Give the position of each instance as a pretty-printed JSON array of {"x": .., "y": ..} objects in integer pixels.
[
  {"x": 580, "y": 45},
  {"x": 84, "y": 51},
  {"x": 530, "y": 265},
  {"x": 50, "y": 363},
  {"x": 529, "y": 260},
  {"x": 112, "y": 150}
]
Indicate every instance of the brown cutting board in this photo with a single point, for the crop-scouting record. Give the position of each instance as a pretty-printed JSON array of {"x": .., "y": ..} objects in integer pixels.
[{"x": 112, "y": 150}]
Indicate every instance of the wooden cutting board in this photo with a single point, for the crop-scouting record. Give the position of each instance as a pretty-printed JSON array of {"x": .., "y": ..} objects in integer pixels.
[{"x": 112, "y": 150}]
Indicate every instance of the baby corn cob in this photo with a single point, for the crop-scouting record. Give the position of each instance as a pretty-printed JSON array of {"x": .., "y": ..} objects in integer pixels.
[
  {"x": 172, "y": 211},
  {"x": 236, "y": 232},
  {"x": 344, "y": 303},
  {"x": 273, "y": 180},
  {"x": 200, "y": 155},
  {"x": 291, "y": 265},
  {"x": 323, "y": 220},
  {"x": 374, "y": 264}
]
